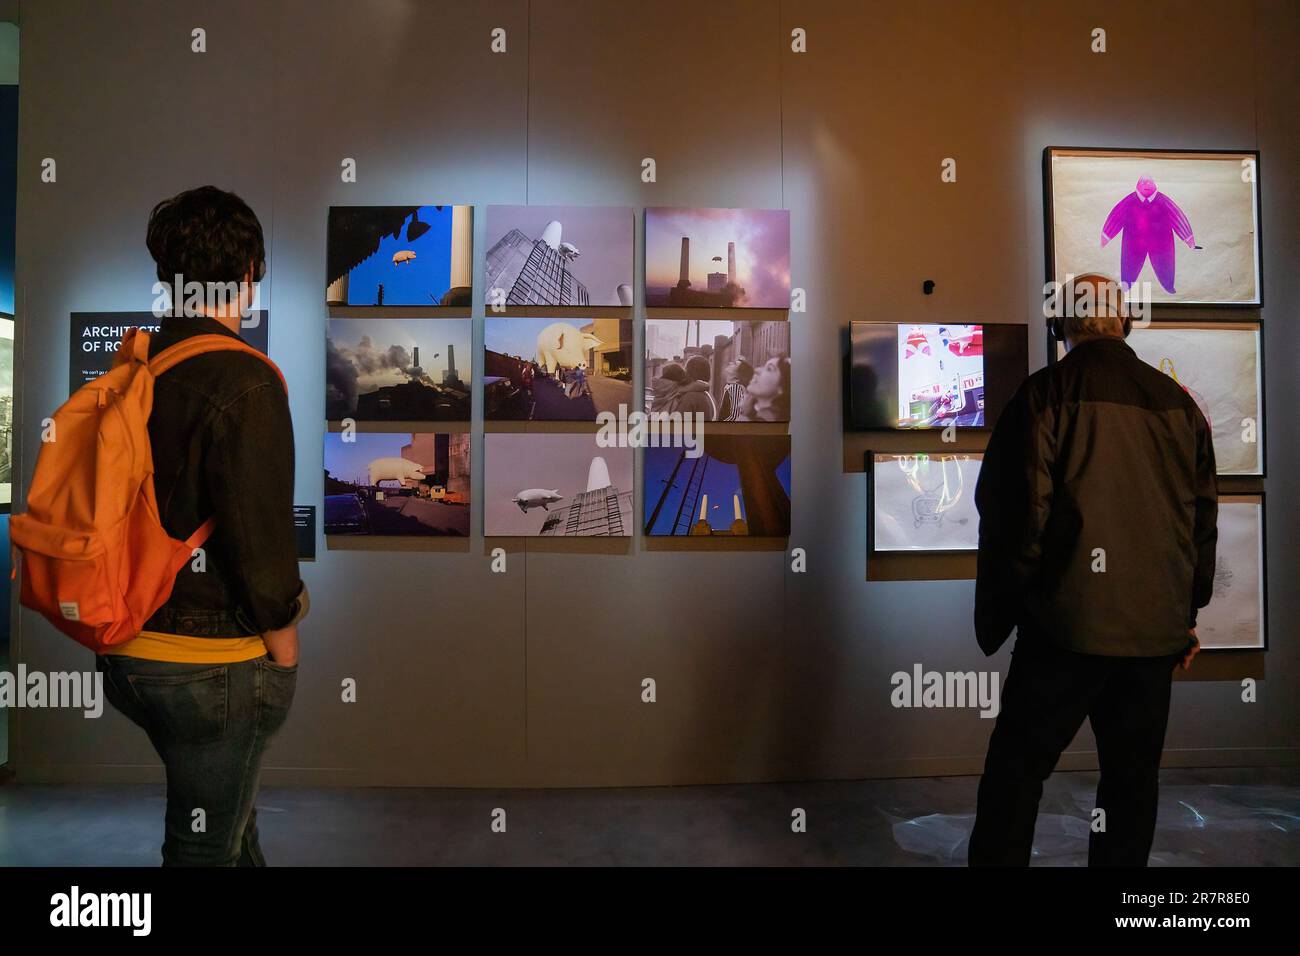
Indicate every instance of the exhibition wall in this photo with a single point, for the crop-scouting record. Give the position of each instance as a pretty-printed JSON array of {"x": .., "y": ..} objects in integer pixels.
[{"x": 533, "y": 676}]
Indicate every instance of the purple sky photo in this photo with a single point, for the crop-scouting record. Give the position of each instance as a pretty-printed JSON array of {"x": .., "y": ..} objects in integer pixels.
[{"x": 762, "y": 238}]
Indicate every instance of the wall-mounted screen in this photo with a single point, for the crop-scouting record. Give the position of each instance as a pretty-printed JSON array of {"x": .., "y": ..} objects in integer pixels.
[
  {"x": 731, "y": 485},
  {"x": 395, "y": 483},
  {"x": 923, "y": 501},
  {"x": 728, "y": 371},
  {"x": 398, "y": 370},
  {"x": 400, "y": 256},
  {"x": 1175, "y": 227},
  {"x": 718, "y": 258},
  {"x": 1235, "y": 617},
  {"x": 933, "y": 376},
  {"x": 572, "y": 256},
  {"x": 1219, "y": 367},
  {"x": 556, "y": 370}
]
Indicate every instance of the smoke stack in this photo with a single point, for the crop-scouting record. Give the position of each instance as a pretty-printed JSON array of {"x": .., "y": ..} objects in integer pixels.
[
  {"x": 551, "y": 234},
  {"x": 598, "y": 475},
  {"x": 415, "y": 356},
  {"x": 731, "y": 263},
  {"x": 704, "y": 507},
  {"x": 451, "y": 361},
  {"x": 735, "y": 504},
  {"x": 685, "y": 278}
]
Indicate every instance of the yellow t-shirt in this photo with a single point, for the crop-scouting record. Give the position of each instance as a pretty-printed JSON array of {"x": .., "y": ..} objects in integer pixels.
[{"x": 181, "y": 649}]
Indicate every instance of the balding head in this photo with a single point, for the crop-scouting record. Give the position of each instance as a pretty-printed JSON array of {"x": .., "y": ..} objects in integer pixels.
[{"x": 1092, "y": 307}]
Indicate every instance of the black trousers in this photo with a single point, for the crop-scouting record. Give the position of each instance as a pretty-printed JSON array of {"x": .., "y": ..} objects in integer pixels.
[{"x": 1048, "y": 693}]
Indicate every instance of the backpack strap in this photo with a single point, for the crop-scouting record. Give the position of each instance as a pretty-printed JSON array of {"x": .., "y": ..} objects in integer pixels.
[{"x": 198, "y": 345}]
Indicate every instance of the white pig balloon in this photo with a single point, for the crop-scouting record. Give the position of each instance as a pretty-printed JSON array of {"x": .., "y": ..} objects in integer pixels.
[
  {"x": 562, "y": 345},
  {"x": 401, "y": 470}
]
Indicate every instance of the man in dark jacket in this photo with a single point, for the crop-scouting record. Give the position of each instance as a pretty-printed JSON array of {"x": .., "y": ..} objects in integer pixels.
[
  {"x": 1098, "y": 508},
  {"x": 211, "y": 676}
]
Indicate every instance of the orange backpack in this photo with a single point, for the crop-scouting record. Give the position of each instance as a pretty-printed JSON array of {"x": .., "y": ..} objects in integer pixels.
[{"x": 96, "y": 560}]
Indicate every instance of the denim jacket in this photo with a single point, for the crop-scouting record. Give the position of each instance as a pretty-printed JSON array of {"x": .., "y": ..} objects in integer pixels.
[{"x": 222, "y": 443}]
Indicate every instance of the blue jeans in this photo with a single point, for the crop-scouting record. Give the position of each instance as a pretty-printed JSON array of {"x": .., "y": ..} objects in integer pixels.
[{"x": 210, "y": 724}]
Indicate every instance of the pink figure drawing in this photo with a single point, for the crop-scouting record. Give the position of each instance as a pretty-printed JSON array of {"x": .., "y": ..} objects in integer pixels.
[{"x": 1149, "y": 220}]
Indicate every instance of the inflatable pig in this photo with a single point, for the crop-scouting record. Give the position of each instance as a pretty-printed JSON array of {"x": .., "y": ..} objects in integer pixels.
[
  {"x": 561, "y": 345},
  {"x": 402, "y": 470}
]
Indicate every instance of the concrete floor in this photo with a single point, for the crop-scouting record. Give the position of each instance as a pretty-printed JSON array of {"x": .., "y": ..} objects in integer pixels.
[{"x": 1207, "y": 818}]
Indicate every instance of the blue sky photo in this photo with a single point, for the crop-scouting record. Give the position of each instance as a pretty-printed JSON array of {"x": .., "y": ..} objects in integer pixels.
[{"x": 419, "y": 282}]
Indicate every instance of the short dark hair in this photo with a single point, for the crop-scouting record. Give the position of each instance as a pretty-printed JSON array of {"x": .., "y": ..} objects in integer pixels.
[
  {"x": 205, "y": 235},
  {"x": 697, "y": 367}
]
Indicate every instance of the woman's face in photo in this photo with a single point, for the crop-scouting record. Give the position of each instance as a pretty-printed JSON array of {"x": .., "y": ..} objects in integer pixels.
[{"x": 766, "y": 382}]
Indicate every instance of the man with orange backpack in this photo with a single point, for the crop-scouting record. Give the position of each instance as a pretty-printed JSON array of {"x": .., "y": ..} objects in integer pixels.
[{"x": 175, "y": 558}]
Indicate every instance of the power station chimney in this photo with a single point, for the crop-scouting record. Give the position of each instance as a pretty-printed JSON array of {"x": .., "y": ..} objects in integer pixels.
[
  {"x": 685, "y": 279},
  {"x": 451, "y": 363},
  {"x": 598, "y": 475},
  {"x": 415, "y": 356},
  {"x": 731, "y": 263},
  {"x": 551, "y": 234}
]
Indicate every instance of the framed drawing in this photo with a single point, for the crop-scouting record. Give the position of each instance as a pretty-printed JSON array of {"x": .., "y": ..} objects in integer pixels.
[
  {"x": 717, "y": 258},
  {"x": 1236, "y": 617},
  {"x": 398, "y": 370},
  {"x": 1220, "y": 367},
  {"x": 572, "y": 256},
  {"x": 1176, "y": 227},
  {"x": 923, "y": 501},
  {"x": 400, "y": 256},
  {"x": 555, "y": 370},
  {"x": 731, "y": 371}
]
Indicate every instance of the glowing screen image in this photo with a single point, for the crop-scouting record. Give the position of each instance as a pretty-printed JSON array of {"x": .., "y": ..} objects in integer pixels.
[{"x": 940, "y": 376}]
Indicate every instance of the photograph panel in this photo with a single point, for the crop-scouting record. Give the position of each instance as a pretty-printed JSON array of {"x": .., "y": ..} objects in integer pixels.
[
  {"x": 570, "y": 256},
  {"x": 555, "y": 370},
  {"x": 398, "y": 370},
  {"x": 719, "y": 258},
  {"x": 728, "y": 371},
  {"x": 555, "y": 485},
  {"x": 739, "y": 486},
  {"x": 397, "y": 484},
  {"x": 400, "y": 256}
]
